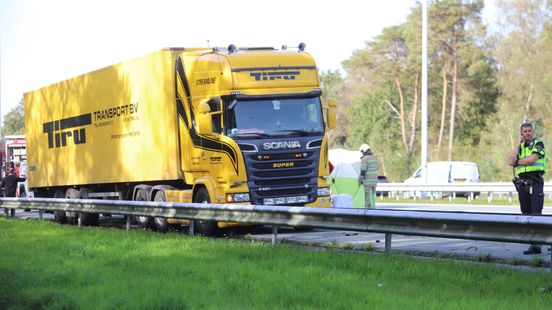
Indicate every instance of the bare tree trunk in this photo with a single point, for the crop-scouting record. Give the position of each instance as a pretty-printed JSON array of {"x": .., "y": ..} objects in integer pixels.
[
  {"x": 443, "y": 112},
  {"x": 528, "y": 104},
  {"x": 453, "y": 103},
  {"x": 402, "y": 114},
  {"x": 414, "y": 113}
]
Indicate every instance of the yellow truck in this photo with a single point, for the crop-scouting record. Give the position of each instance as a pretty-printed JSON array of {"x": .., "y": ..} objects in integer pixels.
[{"x": 206, "y": 125}]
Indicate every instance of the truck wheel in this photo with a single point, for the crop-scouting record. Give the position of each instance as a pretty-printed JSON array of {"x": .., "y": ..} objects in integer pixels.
[
  {"x": 161, "y": 224},
  {"x": 143, "y": 222},
  {"x": 72, "y": 217},
  {"x": 87, "y": 219},
  {"x": 59, "y": 216},
  {"x": 206, "y": 228}
]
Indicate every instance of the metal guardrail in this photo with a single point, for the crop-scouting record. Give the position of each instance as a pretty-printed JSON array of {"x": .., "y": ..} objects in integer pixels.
[
  {"x": 489, "y": 188},
  {"x": 474, "y": 226}
]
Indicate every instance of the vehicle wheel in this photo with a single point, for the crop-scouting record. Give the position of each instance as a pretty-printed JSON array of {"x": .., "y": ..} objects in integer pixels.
[
  {"x": 206, "y": 228},
  {"x": 87, "y": 219},
  {"x": 143, "y": 222},
  {"x": 161, "y": 224},
  {"x": 72, "y": 217},
  {"x": 59, "y": 216}
]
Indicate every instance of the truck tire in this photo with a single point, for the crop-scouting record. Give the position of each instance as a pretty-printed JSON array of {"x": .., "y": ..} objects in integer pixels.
[
  {"x": 72, "y": 217},
  {"x": 87, "y": 219},
  {"x": 206, "y": 228},
  {"x": 161, "y": 224},
  {"x": 59, "y": 216},
  {"x": 143, "y": 222}
]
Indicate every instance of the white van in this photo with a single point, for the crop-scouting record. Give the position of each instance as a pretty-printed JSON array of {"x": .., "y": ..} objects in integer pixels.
[
  {"x": 439, "y": 172},
  {"x": 442, "y": 172}
]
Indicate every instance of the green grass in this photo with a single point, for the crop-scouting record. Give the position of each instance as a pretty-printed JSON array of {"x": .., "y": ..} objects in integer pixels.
[{"x": 48, "y": 266}]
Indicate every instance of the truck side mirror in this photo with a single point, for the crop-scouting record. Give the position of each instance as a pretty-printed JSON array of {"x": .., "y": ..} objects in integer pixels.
[
  {"x": 331, "y": 113},
  {"x": 204, "y": 122}
]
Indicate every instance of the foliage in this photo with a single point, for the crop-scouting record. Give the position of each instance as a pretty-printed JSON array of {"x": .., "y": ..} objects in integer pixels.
[
  {"x": 13, "y": 121},
  {"x": 383, "y": 86},
  {"x": 481, "y": 86},
  {"x": 524, "y": 75}
]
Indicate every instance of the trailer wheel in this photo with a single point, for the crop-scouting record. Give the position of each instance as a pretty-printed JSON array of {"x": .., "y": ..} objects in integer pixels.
[
  {"x": 143, "y": 222},
  {"x": 72, "y": 217},
  {"x": 161, "y": 224},
  {"x": 87, "y": 219},
  {"x": 59, "y": 216},
  {"x": 206, "y": 228}
]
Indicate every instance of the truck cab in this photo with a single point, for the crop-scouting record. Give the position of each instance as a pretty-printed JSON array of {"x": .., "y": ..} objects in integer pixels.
[{"x": 259, "y": 111}]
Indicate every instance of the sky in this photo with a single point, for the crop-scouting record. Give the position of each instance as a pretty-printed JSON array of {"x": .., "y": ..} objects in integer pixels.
[{"x": 44, "y": 42}]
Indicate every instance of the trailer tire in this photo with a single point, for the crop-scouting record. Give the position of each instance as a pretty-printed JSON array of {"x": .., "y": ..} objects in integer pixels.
[
  {"x": 59, "y": 216},
  {"x": 143, "y": 222},
  {"x": 72, "y": 217},
  {"x": 87, "y": 219},
  {"x": 206, "y": 228},
  {"x": 161, "y": 224}
]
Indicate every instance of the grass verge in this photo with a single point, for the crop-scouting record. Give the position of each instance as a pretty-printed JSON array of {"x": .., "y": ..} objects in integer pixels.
[{"x": 44, "y": 265}]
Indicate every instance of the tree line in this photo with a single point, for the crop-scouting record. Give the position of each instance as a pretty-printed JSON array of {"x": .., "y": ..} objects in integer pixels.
[{"x": 482, "y": 84}]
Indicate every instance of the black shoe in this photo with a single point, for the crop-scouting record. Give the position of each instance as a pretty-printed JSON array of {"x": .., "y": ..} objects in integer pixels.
[{"x": 532, "y": 250}]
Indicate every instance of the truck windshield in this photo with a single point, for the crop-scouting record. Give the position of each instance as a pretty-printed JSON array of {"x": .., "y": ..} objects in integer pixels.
[{"x": 274, "y": 117}]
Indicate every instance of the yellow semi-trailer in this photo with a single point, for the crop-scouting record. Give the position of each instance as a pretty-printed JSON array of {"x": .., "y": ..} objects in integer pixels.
[{"x": 184, "y": 125}]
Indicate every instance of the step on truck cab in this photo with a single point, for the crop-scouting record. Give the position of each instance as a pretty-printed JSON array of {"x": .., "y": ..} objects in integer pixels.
[{"x": 185, "y": 125}]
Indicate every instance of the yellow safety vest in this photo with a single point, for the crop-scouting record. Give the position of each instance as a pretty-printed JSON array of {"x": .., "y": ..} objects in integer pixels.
[{"x": 526, "y": 151}]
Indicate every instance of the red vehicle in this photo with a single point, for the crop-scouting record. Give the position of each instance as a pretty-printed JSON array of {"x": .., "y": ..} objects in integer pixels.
[{"x": 14, "y": 153}]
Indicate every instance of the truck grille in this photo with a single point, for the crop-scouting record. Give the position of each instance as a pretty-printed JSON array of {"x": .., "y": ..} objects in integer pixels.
[{"x": 282, "y": 175}]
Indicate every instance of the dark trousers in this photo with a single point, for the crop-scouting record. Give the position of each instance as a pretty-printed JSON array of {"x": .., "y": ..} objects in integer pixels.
[
  {"x": 531, "y": 200},
  {"x": 9, "y": 212}
]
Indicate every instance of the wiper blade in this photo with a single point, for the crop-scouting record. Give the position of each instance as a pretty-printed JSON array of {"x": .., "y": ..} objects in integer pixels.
[
  {"x": 247, "y": 133},
  {"x": 299, "y": 132},
  {"x": 253, "y": 134}
]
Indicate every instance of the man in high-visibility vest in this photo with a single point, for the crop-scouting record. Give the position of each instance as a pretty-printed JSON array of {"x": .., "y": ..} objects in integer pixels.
[
  {"x": 368, "y": 175},
  {"x": 529, "y": 166}
]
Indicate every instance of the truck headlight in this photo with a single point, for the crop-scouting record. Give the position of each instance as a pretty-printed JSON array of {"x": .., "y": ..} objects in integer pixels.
[
  {"x": 237, "y": 197},
  {"x": 323, "y": 191}
]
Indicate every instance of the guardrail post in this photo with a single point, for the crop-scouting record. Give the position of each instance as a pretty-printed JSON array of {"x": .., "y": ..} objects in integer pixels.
[
  {"x": 388, "y": 243},
  {"x": 274, "y": 235},
  {"x": 510, "y": 197},
  {"x": 191, "y": 227},
  {"x": 40, "y": 214},
  {"x": 79, "y": 222},
  {"x": 128, "y": 222},
  {"x": 489, "y": 197}
]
